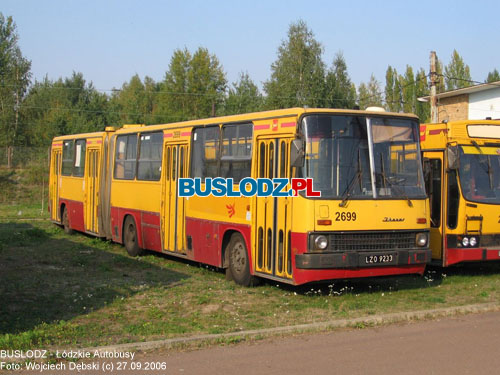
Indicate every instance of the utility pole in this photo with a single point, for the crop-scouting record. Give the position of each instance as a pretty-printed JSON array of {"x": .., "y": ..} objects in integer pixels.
[{"x": 433, "y": 97}]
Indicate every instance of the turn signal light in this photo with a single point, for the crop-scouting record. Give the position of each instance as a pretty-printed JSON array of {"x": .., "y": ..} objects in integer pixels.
[
  {"x": 324, "y": 222},
  {"x": 421, "y": 220}
]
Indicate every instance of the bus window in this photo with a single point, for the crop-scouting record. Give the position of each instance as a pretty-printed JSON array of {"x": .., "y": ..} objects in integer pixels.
[
  {"x": 79, "y": 168},
  {"x": 453, "y": 200},
  {"x": 149, "y": 163},
  {"x": 68, "y": 157},
  {"x": 435, "y": 192},
  {"x": 125, "y": 157},
  {"x": 205, "y": 152},
  {"x": 236, "y": 157}
]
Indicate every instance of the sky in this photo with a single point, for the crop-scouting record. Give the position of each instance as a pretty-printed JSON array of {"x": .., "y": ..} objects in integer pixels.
[{"x": 111, "y": 40}]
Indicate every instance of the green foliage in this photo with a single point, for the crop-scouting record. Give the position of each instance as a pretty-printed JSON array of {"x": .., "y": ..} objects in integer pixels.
[
  {"x": 14, "y": 80},
  {"x": 407, "y": 83},
  {"x": 243, "y": 97},
  {"x": 493, "y": 76},
  {"x": 392, "y": 90},
  {"x": 340, "y": 91},
  {"x": 457, "y": 73},
  {"x": 422, "y": 110},
  {"x": 298, "y": 74},
  {"x": 134, "y": 103},
  {"x": 64, "y": 107},
  {"x": 369, "y": 94},
  {"x": 194, "y": 86}
]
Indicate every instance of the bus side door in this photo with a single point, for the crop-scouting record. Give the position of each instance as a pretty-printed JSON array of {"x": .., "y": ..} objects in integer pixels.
[
  {"x": 434, "y": 179},
  {"x": 173, "y": 206},
  {"x": 92, "y": 189},
  {"x": 272, "y": 219},
  {"x": 55, "y": 174}
]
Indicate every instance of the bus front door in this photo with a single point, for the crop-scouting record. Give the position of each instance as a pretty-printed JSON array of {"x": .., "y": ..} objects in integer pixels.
[
  {"x": 434, "y": 186},
  {"x": 272, "y": 219},
  {"x": 54, "y": 185},
  {"x": 173, "y": 207},
  {"x": 92, "y": 190}
]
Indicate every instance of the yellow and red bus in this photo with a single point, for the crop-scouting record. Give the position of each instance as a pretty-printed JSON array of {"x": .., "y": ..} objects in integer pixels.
[
  {"x": 371, "y": 218},
  {"x": 462, "y": 173}
]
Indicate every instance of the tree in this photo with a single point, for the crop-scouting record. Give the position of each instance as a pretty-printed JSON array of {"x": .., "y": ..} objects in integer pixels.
[
  {"x": 369, "y": 94},
  {"x": 457, "y": 73},
  {"x": 66, "y": 106},
  {"x": 340, "y": 91},
  {"x": 392, "y": 90},
  {"x": 298, "y": 74},
  {"x": 493, "y": 76},
  {"x": 408, "y": 90},
  {"x": 243, "y": 97},
  {"x": 14, "y": 81},
  {"x": 422, "y": 109},
  {"x": 193, "y": 87},
  {"x": 134, "y": 103}
]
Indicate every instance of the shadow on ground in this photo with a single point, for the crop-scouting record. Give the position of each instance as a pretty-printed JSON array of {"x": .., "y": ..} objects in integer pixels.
[{"x": 44, "y": 279}]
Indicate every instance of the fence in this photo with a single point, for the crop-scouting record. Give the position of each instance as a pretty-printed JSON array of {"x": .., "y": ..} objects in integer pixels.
[{"x": 24, "y": 173}]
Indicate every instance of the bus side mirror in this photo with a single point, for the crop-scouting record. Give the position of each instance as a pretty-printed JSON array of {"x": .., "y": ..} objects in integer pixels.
[
  {"x": 297, "y": 153},
  {"x": 452, "y": 156}
]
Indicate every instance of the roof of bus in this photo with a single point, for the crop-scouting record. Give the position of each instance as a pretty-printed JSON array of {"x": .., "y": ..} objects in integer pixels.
[
  {"x": 280, "y": 113},
  {"x": 465, "y": 122},
  {"x": 289, "y": 112},
  {"x": 81, "y": 135}
]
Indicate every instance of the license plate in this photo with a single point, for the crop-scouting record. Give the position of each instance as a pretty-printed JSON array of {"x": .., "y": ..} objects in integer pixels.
[{"x": 380, "y": 259}]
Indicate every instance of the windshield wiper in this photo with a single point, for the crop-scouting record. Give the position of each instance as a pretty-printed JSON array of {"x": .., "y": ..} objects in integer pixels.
[
  {"x": 357, "y": 177},
  {"x": 488, "y": 170},
  {"x": 400, "y": 191}
]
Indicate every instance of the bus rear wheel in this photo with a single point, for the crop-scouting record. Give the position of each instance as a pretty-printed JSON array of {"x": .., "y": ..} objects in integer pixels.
[
  {"x": 130, "y": 237},
  {"x": 65, "y": 222},
  {"x": 239, "y": 264}
]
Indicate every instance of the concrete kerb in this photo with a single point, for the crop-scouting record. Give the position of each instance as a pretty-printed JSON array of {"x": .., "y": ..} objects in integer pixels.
[{"x": 373, "y": 320}]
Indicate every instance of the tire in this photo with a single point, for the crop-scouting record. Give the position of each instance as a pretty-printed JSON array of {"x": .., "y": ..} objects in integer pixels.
[
  {"x": 239, "y": 265},
  {"x": 130, "y": 237},
  {"x": 65, "y": 222}
]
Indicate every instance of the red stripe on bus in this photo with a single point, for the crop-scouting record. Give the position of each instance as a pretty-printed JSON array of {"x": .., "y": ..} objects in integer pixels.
[
  {"x": 438, "y": 131},
  {"x": 185, "y": 134},
  {"x": 261, "y": 127},
  {"x": 168, "y": 135},
  {"x": 288, "y": 124}
]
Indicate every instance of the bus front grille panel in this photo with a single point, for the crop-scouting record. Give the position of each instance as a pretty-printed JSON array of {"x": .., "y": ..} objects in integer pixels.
[{"x": 372, "y": 241}]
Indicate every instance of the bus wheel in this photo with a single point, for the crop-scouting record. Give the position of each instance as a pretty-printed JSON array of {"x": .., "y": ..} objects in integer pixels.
[
  {"x": 65, "y": 222},
  {"x": 239, "y": 265},
  {"x": 130, "y": 237}
]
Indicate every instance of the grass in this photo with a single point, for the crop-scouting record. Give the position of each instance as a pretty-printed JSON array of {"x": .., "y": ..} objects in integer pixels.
[{"x": 78, "y": 291}]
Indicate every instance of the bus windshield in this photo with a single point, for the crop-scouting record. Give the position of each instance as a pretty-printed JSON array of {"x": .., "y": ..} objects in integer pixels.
[
  {"x": 361, "y": 157},
  {"x": 479, "y": 173}
]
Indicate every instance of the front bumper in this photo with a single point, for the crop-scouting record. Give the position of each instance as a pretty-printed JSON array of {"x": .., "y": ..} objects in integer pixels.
[{"x": 362, "y": 259}]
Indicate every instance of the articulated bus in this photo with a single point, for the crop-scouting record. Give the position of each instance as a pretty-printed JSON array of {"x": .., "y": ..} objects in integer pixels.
[
  {"x": 462, "y": 173},
  {"x": 370, "y": 220}
]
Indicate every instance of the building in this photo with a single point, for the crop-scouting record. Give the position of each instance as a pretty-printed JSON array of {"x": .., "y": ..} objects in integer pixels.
[{"x": 470, "y": 103}]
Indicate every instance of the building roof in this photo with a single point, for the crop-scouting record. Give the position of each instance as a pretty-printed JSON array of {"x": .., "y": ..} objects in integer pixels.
[{"x": 465, "y": 90}]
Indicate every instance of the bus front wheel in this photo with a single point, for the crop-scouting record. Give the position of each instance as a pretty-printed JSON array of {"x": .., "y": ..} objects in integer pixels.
[
  {"x": 130, "y": 237},
  {"x": 238, "y": 261}
]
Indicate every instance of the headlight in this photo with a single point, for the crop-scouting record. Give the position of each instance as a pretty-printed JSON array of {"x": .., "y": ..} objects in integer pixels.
[
  {"x": 421, "y": 239},
  {"x": 473, "y": 241},
  {"x": 321, "y": 242},
  {"x": 465, "y": 242}
]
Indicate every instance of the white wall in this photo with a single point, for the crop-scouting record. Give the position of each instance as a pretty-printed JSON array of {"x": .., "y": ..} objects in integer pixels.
[{"x": 484, "y": 104}]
